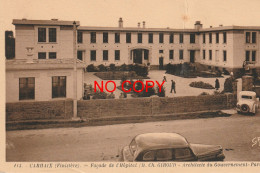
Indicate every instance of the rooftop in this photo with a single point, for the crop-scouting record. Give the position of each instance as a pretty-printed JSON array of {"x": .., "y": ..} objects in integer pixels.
[
  {"x": 44, "y": 22},
  {"x": 31, "y": 64}
]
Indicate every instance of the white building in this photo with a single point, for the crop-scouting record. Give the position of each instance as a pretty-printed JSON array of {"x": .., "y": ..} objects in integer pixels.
[{"x": 43, "y": 67}]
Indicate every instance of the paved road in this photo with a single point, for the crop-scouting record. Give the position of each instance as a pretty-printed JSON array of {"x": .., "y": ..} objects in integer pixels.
[{"x": 102, "y": 143}]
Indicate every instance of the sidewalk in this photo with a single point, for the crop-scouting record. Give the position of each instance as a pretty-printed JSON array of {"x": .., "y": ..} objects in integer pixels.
[{"x": 59, "y": 123}]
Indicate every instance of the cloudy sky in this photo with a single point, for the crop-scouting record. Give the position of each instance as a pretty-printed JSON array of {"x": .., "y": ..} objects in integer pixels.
[{"x": 156, "y": 13}]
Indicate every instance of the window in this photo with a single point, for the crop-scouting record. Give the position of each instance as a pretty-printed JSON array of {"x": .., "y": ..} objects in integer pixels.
[
  {"x": 180, "y": 54},
  {"x": 224, "y": 37},
  {"x": 164, "y": 155},
  {"x": 217, "y": 37},
  {"x": 253, "y": 37},
  {"x": 160, "y": 51},
  {"x": 210, "y": 54},
  {"x": 181, "y": 38},
  {"x": 105, "y": 55},
  {"x": 128, "y": 37},
  {"x": 117, "y": 37},
  {"x": 247, "y": 37},
  {"x": 41, "y": 34},
  {"x": 117, "y": 55},
  {"x": 149, "y": 156},
  {"x": 105, "y": 37},
  {"x": 204, "y": 38},
  {"x": 58, "y": 86},
  {"x": 171, "y": 54},
  {"x": 80, "y": 37},
  {"x": 181, "y": 153},
  {"x": 192, "y": 38},
  {"x": 246, "y": 97},
  {"x": 204, "y": 54},
  {"x": 26, "y": 88},
  {"x": 92, "y": 55},
  {"x": 171, "y": 39},
  {"x": 52, "y": 55},
  {"x": 146, "y": 54},
  {"x": 41, "y": 55},
  {"x": 140, "y": 37},
  {"x": 224, "y": 55},
  {"x": 160, "y": 37},
  {"x": 150, "y": 40},
  {"x": 92, "y": 37},
  {"x": 247, "y": 55},
  {"x": 52, "y": 35},
  {"x": 80, "y": 55},
  {"x": 133, "y": 147},
  {"x": 210, "y": 37},
  {"x": 253, "y": 55}
]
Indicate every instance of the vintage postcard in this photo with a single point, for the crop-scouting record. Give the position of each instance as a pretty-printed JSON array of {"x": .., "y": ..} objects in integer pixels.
[{"x": 130, "y": 85}]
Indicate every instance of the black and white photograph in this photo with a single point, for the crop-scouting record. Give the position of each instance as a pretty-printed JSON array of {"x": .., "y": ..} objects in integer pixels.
[{"x": 130, "y": 85}]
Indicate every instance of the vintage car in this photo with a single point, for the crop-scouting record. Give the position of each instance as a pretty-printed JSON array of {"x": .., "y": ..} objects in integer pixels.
[
  {"x": 247, "y": 102},
  {"x": 168, "y": 147}
]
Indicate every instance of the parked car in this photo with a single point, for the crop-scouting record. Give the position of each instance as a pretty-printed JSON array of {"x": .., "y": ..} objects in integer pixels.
[
  {"x": 247, "y": 102},
  {"x": 168, "y": 147}
]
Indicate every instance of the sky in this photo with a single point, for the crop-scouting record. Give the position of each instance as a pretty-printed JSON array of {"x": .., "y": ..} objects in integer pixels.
[{"x": 156, "y": 13}]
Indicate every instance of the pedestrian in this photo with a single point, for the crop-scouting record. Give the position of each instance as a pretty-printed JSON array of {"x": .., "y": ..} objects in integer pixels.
[
  {"x": 217, "y": 84},
  {"x": 164, "y": 78},
  {"x": 173, "y": 86}
]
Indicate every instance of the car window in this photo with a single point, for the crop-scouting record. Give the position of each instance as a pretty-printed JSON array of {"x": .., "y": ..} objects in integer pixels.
[
  {"x": 181, "y": 153},
  {"x": 163, "y": 155},
  {"x": 246, "y": 97},
  {"x": 133, "y": 146},
  {"x": 149, "y": 156}
]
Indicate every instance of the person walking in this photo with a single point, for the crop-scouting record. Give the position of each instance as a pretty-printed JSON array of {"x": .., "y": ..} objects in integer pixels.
[
  {"x": 164, "y": 78},
  {"x": 173, "y": 86},
  {"x": 217, "y": 84}
]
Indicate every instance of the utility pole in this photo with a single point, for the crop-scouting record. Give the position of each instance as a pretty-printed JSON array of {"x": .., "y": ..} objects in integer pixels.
[{"x": 74, "y": 71}]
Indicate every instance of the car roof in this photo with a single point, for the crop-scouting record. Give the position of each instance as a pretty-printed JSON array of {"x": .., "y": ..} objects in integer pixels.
[
  {"x": 249, "y": 93},
  {"x": 160, "y": 141}
]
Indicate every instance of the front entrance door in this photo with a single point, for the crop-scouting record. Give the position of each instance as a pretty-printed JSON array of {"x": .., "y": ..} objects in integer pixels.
[
  {"x": 138, "y": 56},
  {"x": 192, "y": 56},
  {"x": 161, "y": 63}
]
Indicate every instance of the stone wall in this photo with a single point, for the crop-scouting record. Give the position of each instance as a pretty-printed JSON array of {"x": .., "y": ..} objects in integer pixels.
[
  {"x": 60, "y": 109},
  {"x": 153, "y": 106},
  {"x": 89, "y": 109}
]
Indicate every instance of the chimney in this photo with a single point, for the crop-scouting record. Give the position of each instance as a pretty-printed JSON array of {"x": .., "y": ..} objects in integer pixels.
[
  {"x": 220, "y": 25},
  {"x": 143, "y": 24},
  {"x": 138, "y": 24},
  {"x": 210, "y": 26},
  {"x": 198, "y": 25},
  {"x": 120, "y": 22},
  {"x": 54, "y": 19}
]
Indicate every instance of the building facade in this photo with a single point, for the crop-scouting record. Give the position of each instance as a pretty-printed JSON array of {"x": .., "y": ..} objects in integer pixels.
[
  {"x": 44, "y": 68},
  {"x": 45, "y": 51},
  {"x": 215, "y": 47}
]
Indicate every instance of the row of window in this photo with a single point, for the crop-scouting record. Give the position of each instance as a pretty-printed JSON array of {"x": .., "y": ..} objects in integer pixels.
[
  {"x": 93, "y": 55},
  {"x": 27, "y": 87},
  {"x": 129, "y": 37},
  {"x": 42, "y": 35},
  {"x": 210, "y": 55},
  {"x": 216, "y": 36}
]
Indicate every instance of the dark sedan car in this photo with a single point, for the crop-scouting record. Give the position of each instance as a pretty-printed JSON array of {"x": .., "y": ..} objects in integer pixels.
[{"x": 169, "y": 147}]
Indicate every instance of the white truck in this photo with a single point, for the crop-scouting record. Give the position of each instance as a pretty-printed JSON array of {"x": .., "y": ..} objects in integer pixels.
[{"x": 247, "y": 102}]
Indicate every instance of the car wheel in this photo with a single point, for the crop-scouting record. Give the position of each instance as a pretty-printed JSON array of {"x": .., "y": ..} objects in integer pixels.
[{"x": 244, "y": 108}]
